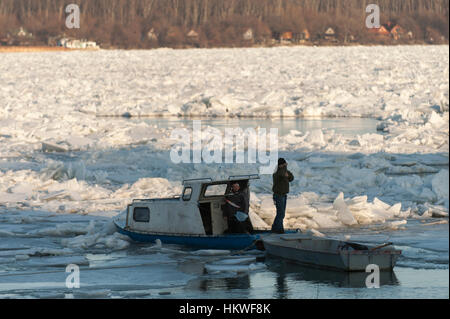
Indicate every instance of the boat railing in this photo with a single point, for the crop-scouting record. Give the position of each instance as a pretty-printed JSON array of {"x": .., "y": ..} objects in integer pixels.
[
  {"x": 155, "y": 199},
  {"x": 250, "y": 176},
  {"x": 197, "y": 179}
]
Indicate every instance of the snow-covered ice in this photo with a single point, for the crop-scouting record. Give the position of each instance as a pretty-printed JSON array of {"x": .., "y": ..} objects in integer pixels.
[
  {"x": 60, "y": 152},
  {"x": 67, "y": 168}
]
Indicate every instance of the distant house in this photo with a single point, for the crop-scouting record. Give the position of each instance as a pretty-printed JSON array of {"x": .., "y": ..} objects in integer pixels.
[
  {"x": 263, "y": 36},
  {"x": 20, "y": 37},
  {"x": 192, "y": 34},
  {"x": 77, "y": 44},
  {"x": 397, "y": 32},
  {"x": 6, "y": 40},
  {"x": 91, "y": 45},
  {"x": 53, "y": 41},
  {"x": 193, "y": 38},
  {"x": 22, "y": 33},
  {"x": 62, "y": 42},
  {"x": 305, "y": 35},
  {"x": 286, "y": 37},
  {"x": 329, "y": 34},
  {"x": 248, "y": 35},
  {"x": 302, "y": 37},
  {"x": 151, "y": 35},
  {"x": 389, "y": 29},
  {"x": 381, "y": 31},
  {"x": 173, "y": 32},
  {"x": 276, "y": 36},
  {"x": 433, "y": 36},
  {"x": 349, "y": 38}
]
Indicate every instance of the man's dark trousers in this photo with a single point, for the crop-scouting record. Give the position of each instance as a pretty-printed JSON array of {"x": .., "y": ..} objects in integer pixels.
[{"x": 280, "y": 204}]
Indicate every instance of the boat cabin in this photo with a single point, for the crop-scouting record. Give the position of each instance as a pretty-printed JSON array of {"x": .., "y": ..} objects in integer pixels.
[{"x": 198, "y": 211}]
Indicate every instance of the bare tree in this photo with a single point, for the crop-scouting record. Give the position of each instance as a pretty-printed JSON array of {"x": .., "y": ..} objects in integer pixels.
[{"x": 125, "y": 22}]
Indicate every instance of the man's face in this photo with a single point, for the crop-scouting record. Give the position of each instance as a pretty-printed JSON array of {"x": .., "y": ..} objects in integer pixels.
[{"x": 235, "y": 187}]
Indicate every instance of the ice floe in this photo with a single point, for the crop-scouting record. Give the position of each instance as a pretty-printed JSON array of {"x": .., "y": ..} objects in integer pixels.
[{"x": 61, "y": 152}]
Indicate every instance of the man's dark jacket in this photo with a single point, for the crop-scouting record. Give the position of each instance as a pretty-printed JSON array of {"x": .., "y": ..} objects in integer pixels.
[
  {"x": 281, "y": 181},
  {"x": 239, "y": 199}
]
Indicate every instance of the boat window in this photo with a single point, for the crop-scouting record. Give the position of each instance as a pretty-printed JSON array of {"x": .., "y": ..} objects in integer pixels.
[
  {"x": 187, "y": 193},
  {"x": 215, "y": 190},
  {"x": 141, "y": 214}
]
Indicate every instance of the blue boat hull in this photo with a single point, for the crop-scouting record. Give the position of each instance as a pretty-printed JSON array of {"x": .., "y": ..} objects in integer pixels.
[{"x": 231, "y": 241}]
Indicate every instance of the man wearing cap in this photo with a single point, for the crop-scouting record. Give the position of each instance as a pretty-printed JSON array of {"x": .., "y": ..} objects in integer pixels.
[{"x": 281, "y": 179}]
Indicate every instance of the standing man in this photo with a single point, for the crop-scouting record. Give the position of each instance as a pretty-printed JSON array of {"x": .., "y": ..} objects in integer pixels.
[{"x": 281, "y": 179}]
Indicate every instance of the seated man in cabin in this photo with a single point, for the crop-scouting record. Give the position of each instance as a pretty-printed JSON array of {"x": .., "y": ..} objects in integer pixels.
[{"x": 236, "y": 210}]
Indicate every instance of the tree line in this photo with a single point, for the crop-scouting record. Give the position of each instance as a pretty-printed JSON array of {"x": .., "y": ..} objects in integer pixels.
[{"x": 126, "y": 23}]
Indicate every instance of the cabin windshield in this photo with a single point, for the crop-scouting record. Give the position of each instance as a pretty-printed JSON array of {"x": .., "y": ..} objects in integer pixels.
[{"x": 216, "y": 190}]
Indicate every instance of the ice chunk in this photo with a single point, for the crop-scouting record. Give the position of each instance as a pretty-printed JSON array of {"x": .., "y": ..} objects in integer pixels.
[
  {"x": 395, "y": 210},
  {"x": 316, "y": 138},
  {"x": 312, "y": 111},
  {"x": 396, "y": 224},
  {"x": 267, "y": 209},
  {"x": 4, "y": 233},
  {"x": 440, "y": 185},
  {"x": 315, "y": 233},
  {"x": 427, "y": 195},
  {"x": 7, "y": 260},
  {"x": 358, "y": 202},
  {"x": 90, "y": 294},
  {"x": 236, "y": 261},
  {"x": 78, "y": 142},
  {"x": 62, "y": 230},
  {"x": 343, "y": 213},
  {"x": 257, "y": 221},
  {"x": 441, "y": 222},
  {"x": 213, "y": 268},
  {"x": 115, "y": 242},
  {"x": 326, "y": 220},
  {"x": 158, "y": 244},
  {"x": 300, "y": 211},
  {"x": 13, "y": 197},
  {"x": 22, "y": 257},
  {"x": 377, "y": 203},
  {"x": 211, "y": 252},
  {"x": 437, "y": 120},
  {"x": 50, "y": 147}
]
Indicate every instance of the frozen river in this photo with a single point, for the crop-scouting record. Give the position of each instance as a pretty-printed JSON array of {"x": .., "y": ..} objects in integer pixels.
[
  {"x": 36, "y": 247},
  {"x": 364, "y": 133}
]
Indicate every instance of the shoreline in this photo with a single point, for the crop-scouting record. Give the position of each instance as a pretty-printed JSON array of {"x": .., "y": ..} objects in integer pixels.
[
  {"x": 23, "y": 49},
  {"x": 27, "y": 49}
]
